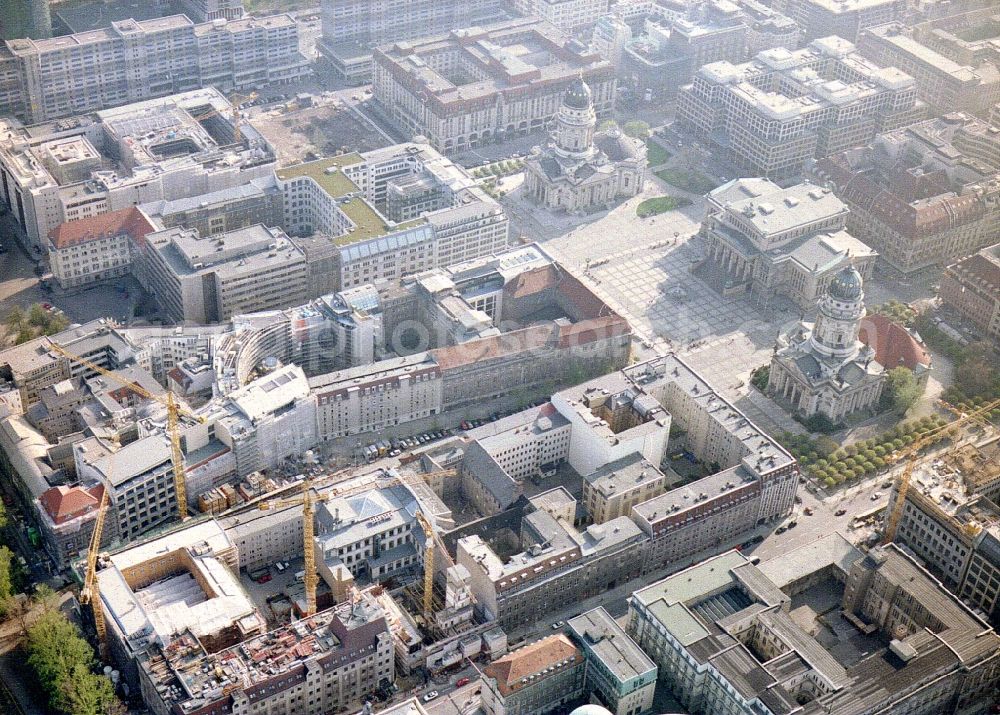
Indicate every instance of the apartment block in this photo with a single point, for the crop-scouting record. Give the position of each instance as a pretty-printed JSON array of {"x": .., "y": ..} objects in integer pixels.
[
  {"x": 135, "y": 60},
  {"x": 971, "y": 287},
  {"x": 846, "y": 19},
  {"x": 479, "y": 84},
  {"x": 540, "y": 677},
  {"x": 353, "y": 28},
  {"x": 570, "y": 16},
  {"x": 156, "y": 150},
  {"x": 208, "y": 279},
  {"x": 618, "y": 672},
  {"x": 773, "y": 114},
  {"x": 942, "y": 83},
  {"x": 924, "y": 194}
]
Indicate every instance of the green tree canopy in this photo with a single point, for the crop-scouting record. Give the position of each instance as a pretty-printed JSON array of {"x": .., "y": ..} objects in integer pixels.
[
  {"x": 901, "y": 389},
  {"x": 636, "y": 129}
]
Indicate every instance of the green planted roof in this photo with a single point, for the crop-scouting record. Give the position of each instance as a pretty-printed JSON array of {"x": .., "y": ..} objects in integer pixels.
[{"x": 335, "y": 183}]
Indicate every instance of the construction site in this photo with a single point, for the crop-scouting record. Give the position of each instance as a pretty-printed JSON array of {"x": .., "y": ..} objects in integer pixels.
[{"x": 302, "y": 130}]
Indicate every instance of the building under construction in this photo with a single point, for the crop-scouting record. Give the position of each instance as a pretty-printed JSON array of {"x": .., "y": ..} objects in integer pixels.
[
  {"x": 319, "y": 664},
  {"x": 950, "y": 520}
]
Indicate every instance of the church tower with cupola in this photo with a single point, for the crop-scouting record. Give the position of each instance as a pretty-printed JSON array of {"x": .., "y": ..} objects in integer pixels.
[
  {"x": 575, "y": 123},
  {"x": 839, "y": 317}
]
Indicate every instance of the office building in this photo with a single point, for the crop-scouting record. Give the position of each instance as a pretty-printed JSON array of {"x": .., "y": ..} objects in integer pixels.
[
  {"x": 784, "y": 107},
  {"x": 971, "y": 287},
  {"x": 926, "y": 194},
  {"x": 509, "y": 80},
  {"x": 540, "y": 677},
  {"x": 386, "y": 214},
  {"x": 330, "y": 661},
  {"x": 767, "y": 28},
  {"x": 767, "y": 242},
  {"x": 209, "y": 279},
  {"x": 580, "y": 170},
  {"x": 618, "y": 672},
  {"x": 671, "y": 49},
  {"x": 725, "y": 638},
  {"x": 353, "y": 28},
  {"x": 96, "y": 248},
  {"x": 136, "y": 60},
  {"x": 159, "y": 149},
  {"x": 945, "y": 85},
  {"x": 843, "y": 18},
  {"x": 951, "y": 524},
  {"x": 822, "y": 368},
  {"x": 615, "y": 488},
  {"x": 611, "y": 34},
  {"x": 560, "y": 564}
]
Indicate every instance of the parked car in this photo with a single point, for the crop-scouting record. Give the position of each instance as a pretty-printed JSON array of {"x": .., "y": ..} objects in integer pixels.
[
  {"x": 876, "y": 496},
  {"x": 461, "y": 681},
  {"x": 430, "y": 696},
  {"x": 780, "y": 530},
  {"x": 808, "y": 511},
  {"x": 840, "y": 512},
  {"x": 557, "y": 625},
  {"x": 792, "y": 524}
]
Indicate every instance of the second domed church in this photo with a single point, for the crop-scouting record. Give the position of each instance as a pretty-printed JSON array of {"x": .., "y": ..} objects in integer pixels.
[{"x": 581, "y": 169}]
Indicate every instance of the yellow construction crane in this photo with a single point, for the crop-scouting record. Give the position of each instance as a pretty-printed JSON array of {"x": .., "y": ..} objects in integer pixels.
[
  {"x": 174, "y": 413},
  {"x": 90, "y": 593},
  {"x": 912, "y": 453},
  {"x": 306, "y": 500}
]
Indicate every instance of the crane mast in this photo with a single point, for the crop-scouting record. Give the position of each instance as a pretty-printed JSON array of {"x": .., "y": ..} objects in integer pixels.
[
  {"x": 174, "y": 413},
  {"x": 90, "y": 593}
]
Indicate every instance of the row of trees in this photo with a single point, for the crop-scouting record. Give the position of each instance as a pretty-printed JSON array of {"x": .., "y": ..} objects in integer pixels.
[
  {"x": 64, "y": 665},
  {"x": 825, "y": 460}
]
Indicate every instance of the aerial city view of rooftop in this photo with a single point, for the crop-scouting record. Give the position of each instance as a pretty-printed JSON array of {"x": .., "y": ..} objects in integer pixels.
[{"x": 500, "y": 357}]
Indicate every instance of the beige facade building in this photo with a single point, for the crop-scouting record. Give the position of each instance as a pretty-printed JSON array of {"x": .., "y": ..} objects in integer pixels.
[
  {"x": 922, "y": 195},
  {"x": 971, "y": 287},
  {"x": 476, "y": 85},
  {"x": 615, "y": 488},
  {"x": 570, "y": 16},
  {"x": 844, "y": 18},
  {"x": 209, "y": 279},
  {"x": 724, "y": 638},
  {"x": 943, "y": 83},
  {"x": 157, "y": 150},
  {"x": 98, "y": 248},
  {"x": 538, "y": 678}
]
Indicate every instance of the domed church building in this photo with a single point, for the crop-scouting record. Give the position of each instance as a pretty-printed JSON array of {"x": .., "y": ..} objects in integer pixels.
[
  {"x": 581, "y": 169},
  {"x": 822, "y": 367}
]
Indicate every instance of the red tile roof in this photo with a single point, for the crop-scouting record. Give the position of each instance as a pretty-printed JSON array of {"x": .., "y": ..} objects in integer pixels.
[
  {"x": 533, "y": 659},
  {"x": 894, "y": 345},
  {"x": 64, "y": 503},
  {"x": 130, "y": 221}
]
